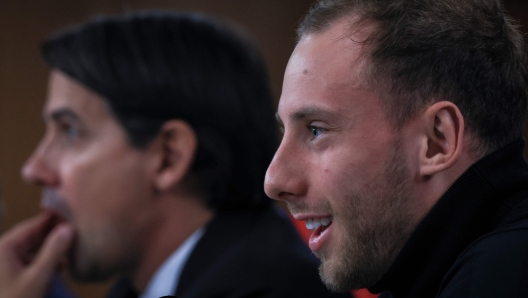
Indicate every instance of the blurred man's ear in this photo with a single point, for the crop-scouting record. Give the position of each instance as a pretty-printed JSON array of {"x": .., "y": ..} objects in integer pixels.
[
  {"x": 444, "y": 132},
  {"x": 178, "y": 143}
]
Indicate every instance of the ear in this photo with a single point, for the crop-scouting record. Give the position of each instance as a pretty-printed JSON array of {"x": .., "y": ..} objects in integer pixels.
[
  {"x": 444, "y": 132},
  {"x": 178, "y": 142}
]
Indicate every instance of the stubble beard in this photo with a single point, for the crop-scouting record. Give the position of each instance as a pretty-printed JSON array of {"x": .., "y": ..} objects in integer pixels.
[
  {"x": 84, "y": 264},
  {"x": 377, "y": 221},
  {"x": 90, "y": 261}
]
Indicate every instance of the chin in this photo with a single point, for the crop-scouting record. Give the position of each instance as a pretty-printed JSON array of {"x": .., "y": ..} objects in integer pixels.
[
  {"x": 343, "y": 271},
  {"x": 85, "y": 266},
  {"x": 342, "y": 280},
  {"x": 332, "y": 283},
  {"x": 89, "y": 273},
  {"x": 333, "y": 271}
]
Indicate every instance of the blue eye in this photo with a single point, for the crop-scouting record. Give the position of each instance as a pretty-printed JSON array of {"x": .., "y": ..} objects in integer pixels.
[
  {"x": 71, "y": 133},
  {"x": 316, "y": 131}
]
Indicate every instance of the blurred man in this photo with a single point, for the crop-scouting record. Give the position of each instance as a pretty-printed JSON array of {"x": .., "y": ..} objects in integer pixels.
[
  {"x": 159, "y": 129},
  {"x": 402, "y": 147}
]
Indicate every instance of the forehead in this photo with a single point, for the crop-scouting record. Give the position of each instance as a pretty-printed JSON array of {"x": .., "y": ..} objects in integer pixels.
[
  {"x": 326, "y": 69},
  {"x": 67, "y": 93}
]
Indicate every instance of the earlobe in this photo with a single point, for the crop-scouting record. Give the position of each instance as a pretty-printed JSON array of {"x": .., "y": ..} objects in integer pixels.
[
  {"x": 444, "y": 135},
  {"x": 178, "y": 141}
]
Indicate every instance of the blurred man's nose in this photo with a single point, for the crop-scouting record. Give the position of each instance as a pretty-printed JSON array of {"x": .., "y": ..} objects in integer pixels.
[
  {"x": 37, "y": 170},
  {"x": 285, "y": 178}
]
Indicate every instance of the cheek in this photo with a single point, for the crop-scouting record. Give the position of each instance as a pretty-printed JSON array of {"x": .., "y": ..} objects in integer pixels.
[
  {"x": 330, "y": 181},
  {"x": 342, "y": 176},
  {"x": 102, "y": 189},
  {"x": 342, "y": 168}
]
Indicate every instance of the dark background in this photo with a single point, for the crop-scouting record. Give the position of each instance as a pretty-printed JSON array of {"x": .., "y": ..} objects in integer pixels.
[{"x": 23, "y": 75}]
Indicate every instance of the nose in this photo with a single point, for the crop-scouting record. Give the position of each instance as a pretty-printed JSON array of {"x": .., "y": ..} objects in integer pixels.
[
  {"x": 37, "y": 169},
  {"x": 285, "y": 177}
]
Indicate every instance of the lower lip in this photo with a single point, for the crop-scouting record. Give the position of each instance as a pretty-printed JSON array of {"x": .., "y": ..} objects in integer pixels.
[{"x": 317, "y": 239}]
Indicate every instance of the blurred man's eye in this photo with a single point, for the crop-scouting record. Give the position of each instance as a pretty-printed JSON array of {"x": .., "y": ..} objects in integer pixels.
[
  {"x": 69, "y": 132},
  {"x": 72, "y": 133}
]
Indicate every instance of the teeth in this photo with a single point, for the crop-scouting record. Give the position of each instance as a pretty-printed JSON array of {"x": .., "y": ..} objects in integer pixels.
[
  {"x": 309, "y": 224},
  {"x": 314, "y": 223}
]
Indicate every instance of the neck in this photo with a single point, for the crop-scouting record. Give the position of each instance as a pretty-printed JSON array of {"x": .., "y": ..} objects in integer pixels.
[
  {"x": 433, "y": 188},
  {"x": 177, "y": 218}
]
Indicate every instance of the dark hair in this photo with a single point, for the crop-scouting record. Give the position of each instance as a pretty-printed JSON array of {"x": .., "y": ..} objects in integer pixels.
[
  {"x": 468, "y": 52},
  {"x": 155, "y": 66}
]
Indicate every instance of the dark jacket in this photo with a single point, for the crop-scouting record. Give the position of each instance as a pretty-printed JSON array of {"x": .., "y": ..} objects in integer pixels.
[
  {"x": 474, "y": 241},
  {"x": 250, "y": 254}
]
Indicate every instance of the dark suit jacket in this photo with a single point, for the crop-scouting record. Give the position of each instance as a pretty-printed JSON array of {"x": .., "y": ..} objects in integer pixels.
[{"x": 251, "y": 254}]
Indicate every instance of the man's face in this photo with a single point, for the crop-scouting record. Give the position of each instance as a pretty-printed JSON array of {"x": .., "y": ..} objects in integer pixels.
[
  {"x": 93, "y": 178},
  {"x": 340, "y": 165}
]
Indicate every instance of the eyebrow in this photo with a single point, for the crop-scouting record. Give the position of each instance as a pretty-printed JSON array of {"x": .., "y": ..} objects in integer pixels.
[
  {"x": 308, "y": 112},
  {"x": 62, "y": 114}
]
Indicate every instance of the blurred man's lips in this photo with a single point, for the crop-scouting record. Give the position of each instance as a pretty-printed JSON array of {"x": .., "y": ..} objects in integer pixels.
[
  {"x": 57, "y": 217},
  {"x": 51, "y": 201}
]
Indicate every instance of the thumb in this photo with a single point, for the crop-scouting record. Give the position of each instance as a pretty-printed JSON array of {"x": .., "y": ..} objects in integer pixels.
[{"x": 53, "y": 250}]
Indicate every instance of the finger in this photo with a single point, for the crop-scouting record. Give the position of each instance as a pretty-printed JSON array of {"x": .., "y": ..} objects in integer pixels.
[
  {"x": 26, "y": 231},
  {"x": 53, "y": 250}
]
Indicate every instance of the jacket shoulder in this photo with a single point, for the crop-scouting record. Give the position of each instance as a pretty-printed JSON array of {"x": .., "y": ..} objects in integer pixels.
[{"x": 496, "y": 265}]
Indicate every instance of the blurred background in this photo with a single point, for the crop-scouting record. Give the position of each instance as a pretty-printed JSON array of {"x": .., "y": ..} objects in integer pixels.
[{"x": 23, "y": 74}]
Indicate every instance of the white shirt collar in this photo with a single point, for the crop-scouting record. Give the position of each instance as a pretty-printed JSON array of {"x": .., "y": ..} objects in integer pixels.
[{"x": 165, "y": 280}]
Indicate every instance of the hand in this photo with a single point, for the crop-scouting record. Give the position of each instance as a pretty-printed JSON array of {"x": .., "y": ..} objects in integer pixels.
[{"x": 29, "y": 254}]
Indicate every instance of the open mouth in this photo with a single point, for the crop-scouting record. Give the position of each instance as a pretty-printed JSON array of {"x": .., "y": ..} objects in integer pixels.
[
  {"x": 320, "y": 230},
  {"x": 318, "y": 223}
]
